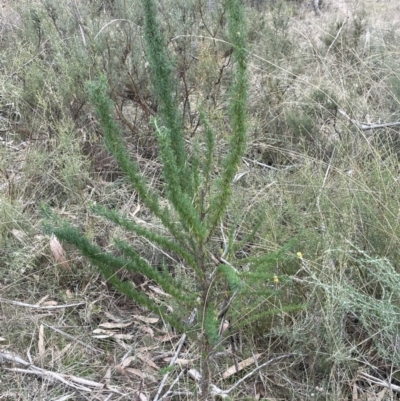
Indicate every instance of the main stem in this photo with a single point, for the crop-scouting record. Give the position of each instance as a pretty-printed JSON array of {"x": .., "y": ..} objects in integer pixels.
[{"x": 205, "y": 341}]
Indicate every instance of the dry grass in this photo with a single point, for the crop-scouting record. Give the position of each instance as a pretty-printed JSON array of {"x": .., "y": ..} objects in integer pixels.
[{"x": 319, "y": 179}]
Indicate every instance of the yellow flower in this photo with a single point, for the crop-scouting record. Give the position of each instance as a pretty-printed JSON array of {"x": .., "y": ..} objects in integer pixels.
[
  {"x": 299, "y": 255},
  {"x": 276, "y": 279}
]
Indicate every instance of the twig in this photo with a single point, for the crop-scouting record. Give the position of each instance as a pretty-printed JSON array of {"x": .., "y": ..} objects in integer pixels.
[
  {"x": 75, "y": 382},
  {"x": 50, "y": 307},
  {"x": 368, "y": 126},
  {"x": 169, "y": 391},
  {"x": 79, "y": 20},
  {"x": 323, "y": 226},
  {"x": 63, "y": 333},
  {"x": 246, "y": 159},
  {"x": 380, "y": 382},
  {"x": 337, "y": 35},
  {"x": 108, "y": 23},
  {"x": 316, "y": 7},
  {"x": 175, "y": 357}
]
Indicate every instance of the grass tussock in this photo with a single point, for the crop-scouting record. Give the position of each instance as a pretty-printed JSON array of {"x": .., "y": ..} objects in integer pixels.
[{"x": 312, "y": 226}]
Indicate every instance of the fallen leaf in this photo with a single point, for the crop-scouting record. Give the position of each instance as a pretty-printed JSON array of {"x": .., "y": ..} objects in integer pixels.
[
  {"x": 150, "y": 320},
  {"x": 112, "y": 317},
  {"x": 146, "y": 359},
  {"x": 145, "y": 349},
  {"x": 194, "y": 374},
  {"x": 100, "y": 333},
  {"x": 42, "y": 300},
  {"x": 126, "y": 362},
  {"x": 111, "y": 325},
  {"x": 148, "y": 330},
  {"x": 179, "y": 361},
  {"x": 159, "y": 291},
  {"x": 50, "y": 303},
  {"x": 244, "y": 364},
  {"x": 107, "y": 377},
  {"x": 135, "y": 372},
  {"x": 381, "y": 394},
  {"x": 101, "y": 336},
  {"x": 18, "y": 234},
  {"x": 123, "y": 336},
  {"x": 58, "y": 252},
  {"x": 166, "y": 337}
]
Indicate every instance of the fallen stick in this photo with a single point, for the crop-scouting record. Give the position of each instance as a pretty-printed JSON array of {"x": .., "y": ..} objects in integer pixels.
[
  {"x": 364, "y": 126},
  {"x": 74, "y": 382},
  {"x": 379, "y": 382},
  {"x": 164, "y": 380},
  {"x": 50, "y": 307}
]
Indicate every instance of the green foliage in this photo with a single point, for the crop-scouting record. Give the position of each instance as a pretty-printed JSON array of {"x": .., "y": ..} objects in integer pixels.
[
  {"x": 231, "y": 277},
  {"x": 188, "y": 188},
  {"x": 211, "y": 326}
]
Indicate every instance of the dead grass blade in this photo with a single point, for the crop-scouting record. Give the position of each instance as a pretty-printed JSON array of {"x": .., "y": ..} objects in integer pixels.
[{"x": 49, "y": 307}]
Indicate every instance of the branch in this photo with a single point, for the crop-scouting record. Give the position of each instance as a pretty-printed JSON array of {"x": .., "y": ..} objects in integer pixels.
[
  {"x": 380, "y": 382},
  {"x": 366, "y": 127},
  {"x": 75, "y": 382},
  {"x": 164, "y": 380},
  {"x": 50, "y": 307}
]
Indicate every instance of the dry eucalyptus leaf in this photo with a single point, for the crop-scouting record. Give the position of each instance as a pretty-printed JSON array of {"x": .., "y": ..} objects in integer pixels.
[
  {"x": 135, "y": 372},
  {"x": 148, "y": 330},
  {"x": 145, "y": 349},
  {"x": 18, "y": 234},
  {"x": 159, "y": 291},
  {"x": 146, "y": 359},
  {"x": 50, "y": 303},
  {"x": 109, "y": 334},
  {"x": 244, "y": 364},
  {"x": 179, "y": 361},
  {"x": 111, "y": 325},
  {"x": 58, "y": 252},
  {"x": 123, "y": 336},
  {"x": 40, "y": 302},
  {"x": 150, "y": 320},
  {"x": 126, "y": 362},
  {"x": 107, "y": 377},
  {"x": 166, "y": 337},
  {"x": 194, "y": 374}
]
